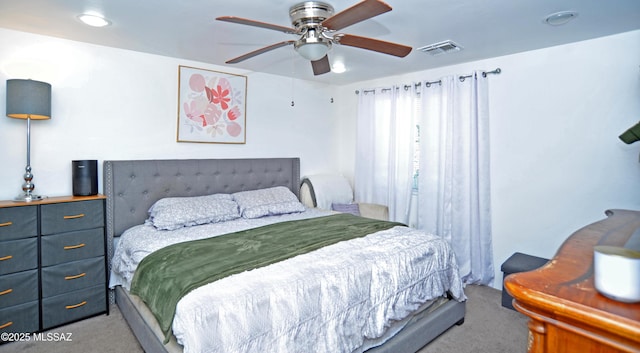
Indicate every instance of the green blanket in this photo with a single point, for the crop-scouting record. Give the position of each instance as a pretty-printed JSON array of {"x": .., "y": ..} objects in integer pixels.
[{"x": 166, "y": 275}]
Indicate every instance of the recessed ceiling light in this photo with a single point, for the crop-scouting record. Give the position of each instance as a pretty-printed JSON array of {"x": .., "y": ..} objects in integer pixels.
[
  {"x": 560, "y": 18},
  {"x": 94, "y": 20},
  {"x": 338, "y": 67}
]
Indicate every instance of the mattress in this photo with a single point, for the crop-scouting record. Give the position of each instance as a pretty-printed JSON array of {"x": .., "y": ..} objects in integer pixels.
[
  {"x": 355, "y": 288},
  {"x": 132, "y": 303}
]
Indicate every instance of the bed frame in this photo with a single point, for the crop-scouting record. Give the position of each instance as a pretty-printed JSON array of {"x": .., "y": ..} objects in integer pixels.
[{"x": 132, "y": 186}]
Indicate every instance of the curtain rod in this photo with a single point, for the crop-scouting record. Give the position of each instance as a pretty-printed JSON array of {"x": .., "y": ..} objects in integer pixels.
[{"x": 497, "y": 71}]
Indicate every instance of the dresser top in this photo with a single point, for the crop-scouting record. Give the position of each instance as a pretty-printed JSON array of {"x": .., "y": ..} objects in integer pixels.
[
  {"x": 50, "y": 200},
  {"x": 564, "y": 287}
]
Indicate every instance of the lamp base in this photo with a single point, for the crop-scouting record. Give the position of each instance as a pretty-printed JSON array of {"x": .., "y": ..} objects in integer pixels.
[{"x": 29, "y": 197}]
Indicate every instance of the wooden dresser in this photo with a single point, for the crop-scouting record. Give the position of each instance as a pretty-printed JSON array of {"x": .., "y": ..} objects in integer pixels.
[
  {"x": 52, "y": 262},
  {"x": 566, "y": 312}
]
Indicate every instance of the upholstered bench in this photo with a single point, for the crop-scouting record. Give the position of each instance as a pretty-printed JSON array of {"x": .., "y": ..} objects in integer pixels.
[{"x": 518, "y": 262}]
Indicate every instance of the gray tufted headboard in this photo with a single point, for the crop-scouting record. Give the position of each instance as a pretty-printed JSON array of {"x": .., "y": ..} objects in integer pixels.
[{"x": 133, "y": 186}]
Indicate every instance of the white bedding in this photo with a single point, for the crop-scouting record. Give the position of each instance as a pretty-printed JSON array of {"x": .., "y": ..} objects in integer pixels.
[{"x": 356, "y": 288}]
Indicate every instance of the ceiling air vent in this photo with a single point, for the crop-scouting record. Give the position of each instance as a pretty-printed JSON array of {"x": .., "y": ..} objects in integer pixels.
[{"x": 447, "y": 46}]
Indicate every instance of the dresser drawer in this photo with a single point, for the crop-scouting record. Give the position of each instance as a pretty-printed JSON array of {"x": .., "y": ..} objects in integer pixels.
[
  {"x": 65, "y": 247},
  {"x": 18, "y": 255},
  {"x": 18, "y": 288},
  {"x": 74, "y": 275},
  {"x": 18, "y": 222},
  {"x": 70, "y": 216},
  {"x": 72, "y": 306},
  {"x": 20, "y": 318}
]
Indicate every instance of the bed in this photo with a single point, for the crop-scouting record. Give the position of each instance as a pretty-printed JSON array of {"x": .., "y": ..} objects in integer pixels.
[{"x": 133, "y": 186}]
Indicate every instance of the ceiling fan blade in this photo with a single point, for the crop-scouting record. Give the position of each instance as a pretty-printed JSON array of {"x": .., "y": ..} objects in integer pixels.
[
  {"x": 321, "y": 66},
  {"x": 259, "y": 51},
  {"x": 244, "y": 21},
  {"x": 356, "y": 13},
  {"x": 374, "y": 44}
]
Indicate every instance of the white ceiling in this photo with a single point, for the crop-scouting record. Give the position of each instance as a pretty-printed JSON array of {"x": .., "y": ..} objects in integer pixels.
[{"x": 187, "y": 29}]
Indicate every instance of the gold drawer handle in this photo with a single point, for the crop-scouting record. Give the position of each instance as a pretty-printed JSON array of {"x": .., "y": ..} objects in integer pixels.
[
  {"x": 76, "y": 276},
  {"x": 6, "y": 224},
  {"x": 71, "y": 247},
  {"x": 76, "y": 306},
  {"x": 6, "y": 291},
  {"x": 9, "y": 257},
  {"x": 74, "y": 216},
  {"x": 6, "y": 325}
]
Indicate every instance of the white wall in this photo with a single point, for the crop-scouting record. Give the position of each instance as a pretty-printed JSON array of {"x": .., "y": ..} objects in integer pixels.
[
  {"x": 556, "y": 161},
  {"x": 118, "y": 104}
]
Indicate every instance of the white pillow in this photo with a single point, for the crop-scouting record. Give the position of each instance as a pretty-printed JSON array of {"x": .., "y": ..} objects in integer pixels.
[
  {"x": 267, "y": 202},
  {"x": 176, "y": 212}
]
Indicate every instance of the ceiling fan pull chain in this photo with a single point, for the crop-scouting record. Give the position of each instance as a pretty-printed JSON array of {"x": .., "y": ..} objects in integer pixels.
[{"x": 293, "y": 72}]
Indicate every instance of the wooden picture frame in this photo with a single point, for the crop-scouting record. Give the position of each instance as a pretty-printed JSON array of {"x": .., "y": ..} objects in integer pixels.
[{"x": 211, "y": 106}]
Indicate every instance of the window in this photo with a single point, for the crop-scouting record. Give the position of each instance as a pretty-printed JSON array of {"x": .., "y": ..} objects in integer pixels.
[{"x": 417, "y": 110}]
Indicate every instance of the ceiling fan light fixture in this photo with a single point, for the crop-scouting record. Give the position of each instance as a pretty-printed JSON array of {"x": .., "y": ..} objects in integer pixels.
[
  {"x": 312, "y": 46},
  {"x": 312, "y": 50}
]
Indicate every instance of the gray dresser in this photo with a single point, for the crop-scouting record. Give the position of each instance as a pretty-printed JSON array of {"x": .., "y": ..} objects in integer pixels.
[{"x": 52, "y": 262}]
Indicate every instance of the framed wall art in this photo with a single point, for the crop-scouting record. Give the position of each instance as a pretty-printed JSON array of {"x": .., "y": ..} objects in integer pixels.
[{"x": 211, "y": 106}]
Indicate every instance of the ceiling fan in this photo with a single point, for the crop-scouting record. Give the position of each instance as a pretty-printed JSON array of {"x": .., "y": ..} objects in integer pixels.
[{"x": 316, "y": 25}]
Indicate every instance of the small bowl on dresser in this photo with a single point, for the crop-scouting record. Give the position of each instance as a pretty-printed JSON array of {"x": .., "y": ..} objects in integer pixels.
[{"x": 617, "y": 273}]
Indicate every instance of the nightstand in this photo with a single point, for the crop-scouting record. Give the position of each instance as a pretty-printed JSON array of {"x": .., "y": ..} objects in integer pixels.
[{"x": 52, "y": 262}]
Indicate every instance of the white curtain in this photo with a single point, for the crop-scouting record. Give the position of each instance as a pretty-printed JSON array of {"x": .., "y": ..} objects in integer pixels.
[
  {"x": 454, "y": 180},
  {"x": 453, "y": 198},
  {"x": 384, "y": 155}
]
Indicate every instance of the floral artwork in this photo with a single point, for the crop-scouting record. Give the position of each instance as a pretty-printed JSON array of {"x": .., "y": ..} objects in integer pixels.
[{"x": 211, "y": 106}]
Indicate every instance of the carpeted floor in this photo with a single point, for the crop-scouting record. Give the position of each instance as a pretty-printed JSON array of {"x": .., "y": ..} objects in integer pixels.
[{"x": 488, "y": 328}]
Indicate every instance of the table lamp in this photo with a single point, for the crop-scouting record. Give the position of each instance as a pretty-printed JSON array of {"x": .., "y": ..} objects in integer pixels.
[{"x": 30, "y": 100}]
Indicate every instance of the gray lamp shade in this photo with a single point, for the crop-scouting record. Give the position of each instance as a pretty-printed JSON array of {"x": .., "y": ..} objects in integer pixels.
[{"x": 28, "y": 99}]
